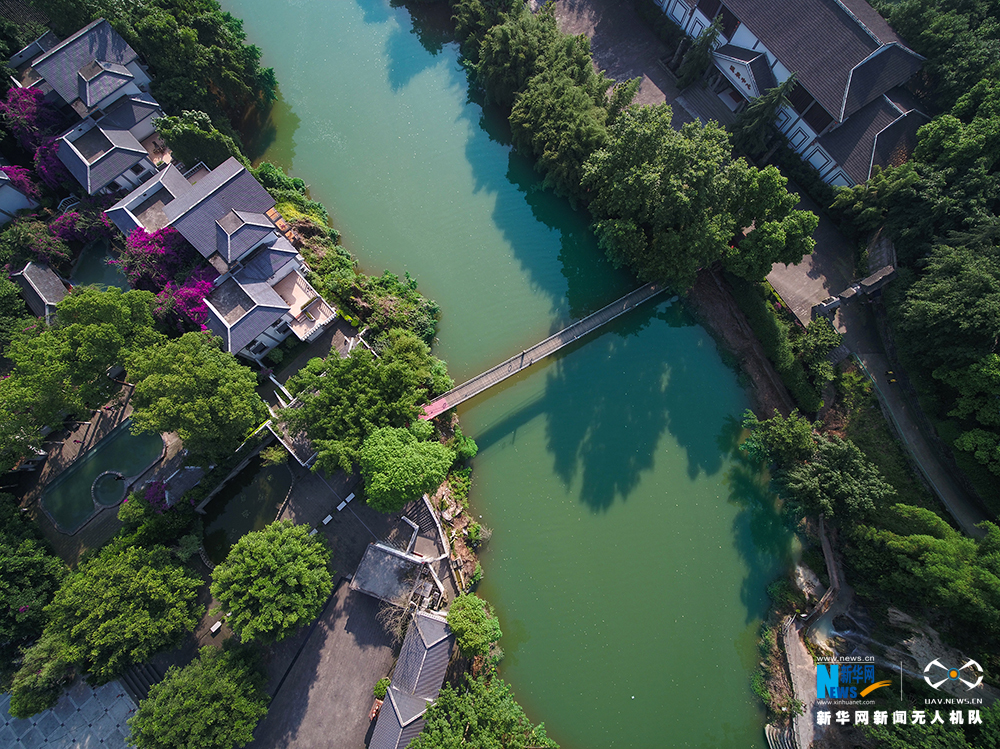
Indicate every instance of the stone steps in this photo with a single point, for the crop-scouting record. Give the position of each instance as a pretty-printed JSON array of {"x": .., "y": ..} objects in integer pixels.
[{"x": 138, "y": 679}]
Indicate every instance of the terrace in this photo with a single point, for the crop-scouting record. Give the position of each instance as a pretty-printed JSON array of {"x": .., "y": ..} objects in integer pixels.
[{"x": 311, "y": 313}]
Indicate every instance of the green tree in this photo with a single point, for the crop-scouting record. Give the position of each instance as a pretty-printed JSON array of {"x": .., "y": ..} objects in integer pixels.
[
  {"x": 212, "y": 703},
  {"x": 29, "y": 576},
  {"x": 273, "y": 581},
  {"x": 27, "y": 238},
  {"x": 699, "y": 56},
  {"x": 984, "y": 446},
  {"x": 118, "y": 609},
  {"x": 398, "y": 468},
  {"x": 953, "y": 310},
  {"x": 481, "y": 713},
  {"x": 13, "y": 313},
  {"x": 192, "y": 138},
  {"x": 815, "y": 346},
  {"x": 784, "y": 440},
  {"x": 191, "y": 386},
  {"x": 978, "y": 387},
  {"x": 475, "y": 625},
  {"x": 47, "y": 667},
  {"x": 754, "y": 127},
  {"x": 669, "y": 202},
  {"x": 474, "y": 18},
  {"x": 510, "y": 52},
  {"x": 559, "y": 119},
  {"x": 343, "y": 400},
  {"x": 839, "y": 481}
]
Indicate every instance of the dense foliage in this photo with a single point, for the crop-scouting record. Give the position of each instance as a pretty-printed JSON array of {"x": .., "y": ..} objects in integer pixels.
[
  {"x": 344, "y": 400},
  {"x": 669, "y": 202},
  {"x": 118, "y": 609},
  {"x": 29, "y": 577},
  {"x": 784, "y": 440},
  {"x": 480, "y": 713},
  {"x": 475, "y": 625},
  {"x": 212, "y": 703},
  {"x": 273, "y": 581},
  {"x": 189, "y": 385},
  {"x": 397, "y": 467},
  {"x": 61, "y": 370},
  {"x": 192, "y": 138}
]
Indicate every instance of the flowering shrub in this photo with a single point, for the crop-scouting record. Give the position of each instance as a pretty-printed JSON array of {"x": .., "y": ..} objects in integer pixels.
[
  {"x": 184, "y": 306},
  {"x": 27, "y": 239},
  {"x": 84, "y": 225},
  {"x": 48, "y": 166},
  {"x": 28, "y": 116},
  {"x": 150, "y": 261},
  {"x": 156, "y": 495},
  {"x": 21, "y": 179}
]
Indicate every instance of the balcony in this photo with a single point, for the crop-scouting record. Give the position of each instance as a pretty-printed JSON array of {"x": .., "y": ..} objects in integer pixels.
[{"x": 311, "y": 313}]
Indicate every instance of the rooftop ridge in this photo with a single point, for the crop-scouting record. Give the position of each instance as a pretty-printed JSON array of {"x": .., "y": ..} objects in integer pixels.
[{"x": 859, "y": 22}]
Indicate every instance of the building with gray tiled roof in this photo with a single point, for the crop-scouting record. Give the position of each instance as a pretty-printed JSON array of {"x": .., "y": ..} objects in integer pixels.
[
  {"x": 416, "y": 681},
  {"x": 41, "y": 288},
  {"x": 846, "y": 59},
  {"x": 261, "y": 295},
  {"x": 87, "y": 71}
]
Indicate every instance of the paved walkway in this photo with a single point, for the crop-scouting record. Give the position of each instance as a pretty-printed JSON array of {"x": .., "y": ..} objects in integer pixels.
[
  {"x": 324, "y": 700},
  {"x": 84, "y": 716},
  {"x": 803, "y": 672}
]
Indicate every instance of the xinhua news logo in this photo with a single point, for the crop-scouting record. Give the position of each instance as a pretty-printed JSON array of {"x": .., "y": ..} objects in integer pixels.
[{"x": 845, "y": 681}]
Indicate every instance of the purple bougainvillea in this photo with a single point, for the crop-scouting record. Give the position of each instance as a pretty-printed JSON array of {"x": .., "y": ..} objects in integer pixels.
[
  {"x": 83, "y": 225},
  {"x": 150, "y": 261},
  {"x": 184, "y": 306},
  {"x": 21, "y": 179},
  {"x": 28, "y": 116},
  {"x": 156, "y": 495},
  {"x": 48, "y": 166}
]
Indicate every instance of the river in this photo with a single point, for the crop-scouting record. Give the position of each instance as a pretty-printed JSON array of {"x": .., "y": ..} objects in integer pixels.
[{"x": 631, "y": 547}]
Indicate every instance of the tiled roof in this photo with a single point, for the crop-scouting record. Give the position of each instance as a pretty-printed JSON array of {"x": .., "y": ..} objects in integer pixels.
[
  {"x": 416, "y": 681},
  {"x": 268, "y": 260},
  {"x": 239, "y": 312},
  {"x": 123, "y": 152},
  {"x": 98, "y": 80},
  {"x": 757, "y": 62},
  {"x": 166, "y": 185},
  {"x": 239, "y": 231},
  {"x": 895, "y": 144},
  {"x": 228, "y": 187},
  {"x": 852, "y": 143},
  {"x": 129, "y": 111},
  {"x": 822, "y": 41},
  {"x": 42, "y": 287},
  {"x": 61, "y": 65},
  {"x": 890, "y": 66}
]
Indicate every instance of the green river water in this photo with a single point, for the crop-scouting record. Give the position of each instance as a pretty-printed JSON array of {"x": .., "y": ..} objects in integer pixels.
[{"x": 631, "y": 549}]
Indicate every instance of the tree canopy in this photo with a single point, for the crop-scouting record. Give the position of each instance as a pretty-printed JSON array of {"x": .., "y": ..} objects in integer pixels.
[
  {"x": 212, "y": 703},
  {"x": 273, "y": 581},
  {"x": 754, "y": 127},
  {"x": 192, "y": 138},
  {"x": 483, "y": 714},
  {"x": 397, "y": 467},
  {"x": 837, "y": 480},
  {"x": 475, "y": 625},
  {"x": 669, "y": 202},
  {"x": 511, "y": 51},
  {"x": 784, "y": 440},
  {"x": 189, "y": 385},
  {"x": 29, "y": 576},
  {"x": 343, "y": 400}
]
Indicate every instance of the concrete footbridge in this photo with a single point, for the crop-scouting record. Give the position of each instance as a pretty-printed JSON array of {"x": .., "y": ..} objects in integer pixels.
[{"x": 539, "y": 351}]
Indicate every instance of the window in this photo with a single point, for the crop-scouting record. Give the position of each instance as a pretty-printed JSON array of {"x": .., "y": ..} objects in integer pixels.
[
  {"x": 283, "y": 328},
  {"x": 258, "y": 348},
  {"x": 800, "y": 100},
  {"x": 138, "y": 169},
  {"x": 710, "y": 8}
]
